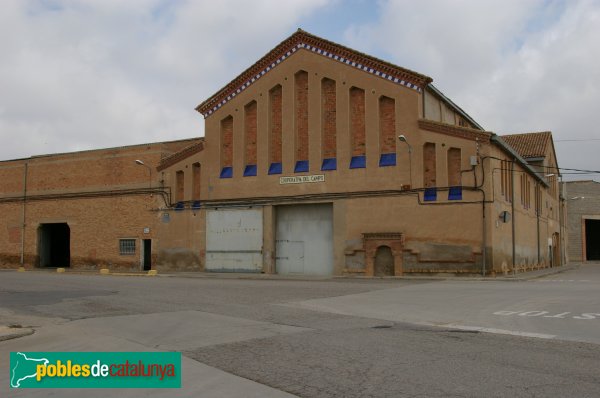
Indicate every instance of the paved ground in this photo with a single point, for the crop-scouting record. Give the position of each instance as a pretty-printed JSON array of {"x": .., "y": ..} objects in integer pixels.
[{"x": 332, "y": 338}]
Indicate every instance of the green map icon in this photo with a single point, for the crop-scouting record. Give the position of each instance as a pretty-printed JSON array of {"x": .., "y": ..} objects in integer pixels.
[{"x": 23, "y": 368}]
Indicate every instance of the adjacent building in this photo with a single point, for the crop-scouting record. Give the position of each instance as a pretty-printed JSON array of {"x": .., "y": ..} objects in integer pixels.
[
  {"x": 583, "y": 209},
  {"x": 86, "y": 210},
  {"x": 321, "y": 160}
]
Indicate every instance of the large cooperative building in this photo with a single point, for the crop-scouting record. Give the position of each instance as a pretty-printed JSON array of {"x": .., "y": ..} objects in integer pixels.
[{"x": 316, "y": 160}]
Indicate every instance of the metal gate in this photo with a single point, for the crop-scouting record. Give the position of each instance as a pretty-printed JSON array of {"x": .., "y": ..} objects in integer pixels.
[
  {"x": 304, "y": 239},
  {"x": 234, "y": 240}
]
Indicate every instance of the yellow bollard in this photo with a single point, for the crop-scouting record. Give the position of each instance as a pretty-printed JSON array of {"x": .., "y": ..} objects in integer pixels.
[
  {"x": 152, "y": 272},
  {"x": 104, "y": 271},
  {"x": 21, "y": 269},
  {"x": 60, "y": 270}
]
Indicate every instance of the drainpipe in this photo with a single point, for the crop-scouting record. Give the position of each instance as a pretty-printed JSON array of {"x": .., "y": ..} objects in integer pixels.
[
  {"x": 512, "y": 196},
  {"x": 483, "y": 250},
  {"x": 537, "y": 212},
  {"x": 23, "y": 216}
]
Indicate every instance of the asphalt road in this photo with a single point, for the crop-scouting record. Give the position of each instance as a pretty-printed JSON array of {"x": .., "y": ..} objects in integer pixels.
[{"x": 335, "y": 338}]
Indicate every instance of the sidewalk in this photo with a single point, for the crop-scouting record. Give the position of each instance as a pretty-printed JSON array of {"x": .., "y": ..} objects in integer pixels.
[
  {"x": 13, "y": 332},
  {"x": 522, "y": 276}
]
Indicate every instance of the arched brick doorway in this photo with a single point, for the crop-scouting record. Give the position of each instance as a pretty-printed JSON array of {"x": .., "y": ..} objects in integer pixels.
[{"x": 375, "y": 244}]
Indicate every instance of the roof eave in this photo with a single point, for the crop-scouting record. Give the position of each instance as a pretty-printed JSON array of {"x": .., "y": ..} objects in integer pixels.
[{"x": 507, "y": 148}]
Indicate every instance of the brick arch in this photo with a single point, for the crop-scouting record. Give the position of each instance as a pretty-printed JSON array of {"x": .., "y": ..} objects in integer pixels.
[{"x": 372, "y": 241}]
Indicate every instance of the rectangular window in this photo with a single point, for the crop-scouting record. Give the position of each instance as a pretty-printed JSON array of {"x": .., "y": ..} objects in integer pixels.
[
  {"x": 250, "y": 138},
  {"x": 227, "y": 147},
  {"x": 301, "y": 120},
  {"x": 328, "y": 124},
  {"x": 126, "y": 247},
  {"x": 507, "y": 180},
  {"x": 275, "y": 129},
  {"x": 429, "y": 165},
  {"x": 454, "y": 161},
  {"x": 179, "y": 186},
  {"x": 357, "y": 128},
  {"x": 196, "y": 182},
  {"x": 387, "y": 131}
]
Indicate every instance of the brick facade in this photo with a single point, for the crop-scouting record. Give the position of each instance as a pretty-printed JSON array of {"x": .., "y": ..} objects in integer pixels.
[
  {"x": 227, "y": 142},
  {"x": 250, "y": 132},
  {"x": 275, "y": 120},
  {"x": 301, "y": 104},
  {"x": 357, "y": 121},
  {"x": 387, "y": 125},
  {"x": 329, "y": 119},
  {"x": 101, "y": 195}
]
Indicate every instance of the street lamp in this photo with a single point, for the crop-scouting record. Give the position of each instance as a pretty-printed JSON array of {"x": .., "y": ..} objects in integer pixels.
[
  {"x": 402, "y": 138},
  {"x": 141, "y": 163}
]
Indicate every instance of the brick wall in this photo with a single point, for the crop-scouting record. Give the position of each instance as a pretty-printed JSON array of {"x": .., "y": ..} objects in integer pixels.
[
  {"x": 179, "y": 186},
  {"x": 196, "y": 182},
  {"x": 250, "y": 132},
  {"x": 429, "y": 165},
  {"x": 275, "y": 97},
  {"x": 387, "y": 125},
  {"x": 583, "y": 200},
  {"x": 328, "y": 108},
  {"x": 357, "y": 121},
  {"x": 454, "y": 159},
  {"x": 301, "y": 105},
  {"x": 227, "y": 142}
]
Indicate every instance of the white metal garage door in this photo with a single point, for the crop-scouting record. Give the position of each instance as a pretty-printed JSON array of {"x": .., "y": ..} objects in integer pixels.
[
  {"x": 304, "y": 239},
  {"x": 234, "y": 240}
]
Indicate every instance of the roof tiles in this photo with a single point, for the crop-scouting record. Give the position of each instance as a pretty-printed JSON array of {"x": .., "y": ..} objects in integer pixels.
[{"x": 529, "y": 145}]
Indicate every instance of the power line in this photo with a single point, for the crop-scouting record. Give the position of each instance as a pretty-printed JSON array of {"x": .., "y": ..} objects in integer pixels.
[{"x": 584, "y": 140}]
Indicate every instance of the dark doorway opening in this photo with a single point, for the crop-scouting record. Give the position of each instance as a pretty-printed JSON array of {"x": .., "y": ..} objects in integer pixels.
[
  {"x": 592, "y": 240},
  {"x": 147, "y": 254},
  {"x": 384, "y": 261},
  {"x": 54, "y": 247}
]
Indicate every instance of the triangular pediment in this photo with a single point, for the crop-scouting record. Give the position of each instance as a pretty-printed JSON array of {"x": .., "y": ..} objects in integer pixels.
[{"x": 302, "y": 40}]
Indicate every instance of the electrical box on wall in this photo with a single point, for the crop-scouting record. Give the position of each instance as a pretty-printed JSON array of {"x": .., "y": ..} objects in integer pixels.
[
  {"x": 504, "y": 216},
  {"x": 474, "y": 160}
]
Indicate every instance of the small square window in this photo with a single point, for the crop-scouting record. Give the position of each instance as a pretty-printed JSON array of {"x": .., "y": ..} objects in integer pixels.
[
  {"x": 275, "y": 168},
  {"x": 250, "y": 170},
  {"x": 387, "y": 159},
  {"x": 226, "y": 172},
  {"x": 126, "y": 246},
  {"x": 358, "y": 162},
  {"x": 329, "y": 164},
  {"x": 455, "y": 193},
  {"x": 301, "y": 166},
  {"x": 430, "y": 194}
]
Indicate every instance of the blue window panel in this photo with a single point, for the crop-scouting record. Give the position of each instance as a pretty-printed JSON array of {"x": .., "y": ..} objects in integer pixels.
[
  {"x": 455, "y": 193},
  {"x": 329, "y": 164},
  {"x": 180, "y": 206},
  {"x": 196, "y": 205},
  {"x": 275, "y": 168},
  {"x": 430, "y": 194},
  {"x": 227, "y": 172},
  {"x": 358, "y": 162},
  {"x": 387, "y": 159},
  {"x": 250, "y": 170},
  {"x": 301, "y": 166}
]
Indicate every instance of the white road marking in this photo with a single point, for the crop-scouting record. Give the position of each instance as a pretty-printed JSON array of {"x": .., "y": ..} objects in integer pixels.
[
  {"x": 503, "y": 331},
  {"x": 586, "y": 316}
]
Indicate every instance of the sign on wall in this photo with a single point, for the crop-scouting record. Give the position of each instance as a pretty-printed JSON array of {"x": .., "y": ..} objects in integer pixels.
[{"x": 302, "y": 179}]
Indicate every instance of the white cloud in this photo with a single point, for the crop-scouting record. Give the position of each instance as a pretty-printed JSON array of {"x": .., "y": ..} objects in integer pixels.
[
  {"x": 82, "y": 74},
  {"x": 515, "y": 66}
]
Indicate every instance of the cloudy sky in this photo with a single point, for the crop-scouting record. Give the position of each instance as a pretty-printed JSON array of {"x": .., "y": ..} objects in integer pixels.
[{"x": 83, "y": 74}]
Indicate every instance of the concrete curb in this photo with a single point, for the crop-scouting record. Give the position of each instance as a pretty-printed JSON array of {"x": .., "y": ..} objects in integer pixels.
[
  {"x": 520, "y": 277},
  {"x": 12, "y": 332}
]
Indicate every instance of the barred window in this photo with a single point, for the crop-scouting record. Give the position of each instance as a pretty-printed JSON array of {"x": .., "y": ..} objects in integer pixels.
[{"x": 126, "y": 246}]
